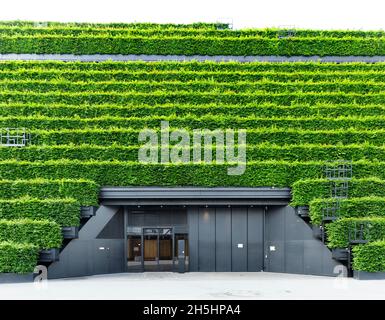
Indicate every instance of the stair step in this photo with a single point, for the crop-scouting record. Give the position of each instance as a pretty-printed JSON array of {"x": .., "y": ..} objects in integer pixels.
[
  {"x": 70, "y": 232},
  {"x": 48, "y": 255},
  {"x": 303, "y": 211},
  {"x": 87, "y": 212},
  {"x": 340, "y": 254}
]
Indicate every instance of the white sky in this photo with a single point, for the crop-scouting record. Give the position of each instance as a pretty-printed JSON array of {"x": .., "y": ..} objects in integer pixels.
[{"x": 321, "y": 14}]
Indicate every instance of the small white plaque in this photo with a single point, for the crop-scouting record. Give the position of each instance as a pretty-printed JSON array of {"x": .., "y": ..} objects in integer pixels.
[
  {"x": 240, "y": 245},
  {"x": 101, "y": 248},
  {"x": 272, "y": 248}
]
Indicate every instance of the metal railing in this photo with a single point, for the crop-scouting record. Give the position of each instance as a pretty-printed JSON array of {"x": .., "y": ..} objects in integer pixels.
[{"x": 14, "y": 137}]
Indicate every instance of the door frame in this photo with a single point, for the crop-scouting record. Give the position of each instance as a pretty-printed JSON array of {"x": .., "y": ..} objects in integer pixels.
[{"x": 158, "y": 245}]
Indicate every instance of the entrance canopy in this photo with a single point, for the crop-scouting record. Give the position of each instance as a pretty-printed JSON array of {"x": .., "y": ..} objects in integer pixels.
[{"x": 194, "y": 196}]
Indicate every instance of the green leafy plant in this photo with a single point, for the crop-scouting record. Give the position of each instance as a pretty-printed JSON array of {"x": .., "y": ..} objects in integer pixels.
[
  {"x": 44, "y": 234},
  {"x": 18, "y": 257},
  {"x": 369, "y": 257},
  {"x": 339, "y": 231}
]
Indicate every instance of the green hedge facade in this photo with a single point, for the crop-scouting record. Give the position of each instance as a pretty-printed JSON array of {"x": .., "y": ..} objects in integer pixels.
[
  {"x": 349, "y": 208},
  {"x": 369, "y": 257},
  {"x": 64, "y": 212},
  {"x": 18, "y": 257},
  {"x": 342, "y": 230},
  {"x": 44, "y": 234}
]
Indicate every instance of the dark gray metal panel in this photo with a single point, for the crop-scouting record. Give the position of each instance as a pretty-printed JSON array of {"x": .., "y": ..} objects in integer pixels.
[
  {"x": 193, "y": 229},
  {"x": 114, "y": 228},
  {"x": 196, "y": 202},
  {"x": 152, "y": 218},
  {"x": 275, "y": 256},
  {"x": 86, "y": 257},
  {"x": 294, "y": 256},
  {"x": 135, "y": 219},
  {"x": 330, "y": 267},
  {"x": 206, "y": 239},
  {"x": 75, "y": 261},
  {"x": 239, "y": 239},
  {"x": 100, "y": 253},
  {"x": 116, "y": 257},
  {"x": 295, "y": 248},
  {"x": 255, "y": 239},
  {"x": 81, "y": 257},
  {"x": 179, "y": 216},
  {"x": 193, "y": 196},
  {"x": 223, "y": 239},
  {"x": 96, "y": 224},
  {"x": 275, "y": 236},
  {"x": 312, "y": 258}
]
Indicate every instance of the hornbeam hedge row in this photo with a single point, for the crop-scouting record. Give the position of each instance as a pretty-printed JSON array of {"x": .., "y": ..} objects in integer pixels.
[
  {"x": 168, "y": 30},
  {"x": 118, "y": 173},
  {"x": 261, "y": 110},
  {"x": 191, "y": 86},
  {"x": 349, "y": 208},
  {"x": 190, "y": 66},
  {"x": 191, "y": 97},
  {"x": 369, "y": 257},
  {"x": 44, "y": 234},
  {"x": 64, "y": 212},
  {"x": 217, "y": 76},
  {"x": 86, "y": 192},
  {"x": 18, "y": 257},
  {"x": 342, "y": 230},
  {"x": 210, "y": 122},
  {"x": 261, "y": 152},
  {"x": 159, "y": 45},
  {"x": 306, "y": 190},
  {"x": 134, "y": 25},
  {"x": 126, "y": 137}
]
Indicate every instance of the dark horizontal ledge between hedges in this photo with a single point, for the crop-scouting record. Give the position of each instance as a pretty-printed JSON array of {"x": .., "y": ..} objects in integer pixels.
[
  {"x": 193, "y": 196},
  {"x": 133, "y": 57}
]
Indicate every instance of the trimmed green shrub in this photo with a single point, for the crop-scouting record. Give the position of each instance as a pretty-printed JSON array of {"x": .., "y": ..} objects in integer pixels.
[
  {"x": 304, "y": 191},
  {"x": 339, "y": 231},
  {"x": 259, "y": 152},
  {"x": 18, "y": 257},
  {"x": 260, "y": 110},
  {"x": 116, "y": 173},
  {"x": 349, "y": 208},
  {"x": 202, "y": 30},
  {"x": 39, "y": 73},
  {"x": 187, "y": 45},
  {"x": 86, "y": 192},
  {"x": 191, "y": 122},
  {"x": 135, "y": 25},
  {"x": 128, "y": 136},
  {"x": 65, "y": 212},
  {"x": 194, "y": 86},
  {"x": 369, "y": 257},
  {"x": 44, "y": 234},
  {"x": 194, "y": 66},
  {"x": 191, "y": 97}
]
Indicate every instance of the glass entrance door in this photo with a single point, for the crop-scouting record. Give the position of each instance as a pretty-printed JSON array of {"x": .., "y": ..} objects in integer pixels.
[{"x": 157, "y": 249}]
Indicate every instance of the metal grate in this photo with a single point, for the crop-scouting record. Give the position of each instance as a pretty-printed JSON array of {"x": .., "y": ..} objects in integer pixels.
[
  {"x": 286, "y": 32},
  {"x": 14, "y": 137},
  {"x": 359, "y": 232},
  {"x": 340, "y": 189},
  {"x": 330, "y": 210},
  {"x": 340, "y": 170},
  {"x": 339, "y": 173}
]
